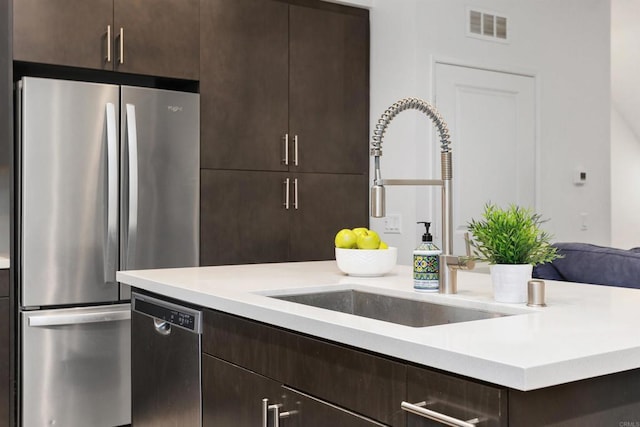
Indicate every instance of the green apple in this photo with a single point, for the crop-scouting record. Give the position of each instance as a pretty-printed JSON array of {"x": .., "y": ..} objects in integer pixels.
[
  {"x": 383, "y": 245},
  {"x": 368, "y": 240},
  {"x": 360, "y": 230},
  {"x": 346, "y": 239}
]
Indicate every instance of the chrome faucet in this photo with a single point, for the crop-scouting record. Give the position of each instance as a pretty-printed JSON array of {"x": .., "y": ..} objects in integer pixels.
[{"x": 449, "y": 264}]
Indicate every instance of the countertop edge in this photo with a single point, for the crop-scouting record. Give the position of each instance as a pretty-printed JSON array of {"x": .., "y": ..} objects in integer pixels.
[{"x": 524, "y": 378}]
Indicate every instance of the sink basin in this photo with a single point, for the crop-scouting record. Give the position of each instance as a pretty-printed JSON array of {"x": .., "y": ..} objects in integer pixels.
[{"x": 387, "y": 308}]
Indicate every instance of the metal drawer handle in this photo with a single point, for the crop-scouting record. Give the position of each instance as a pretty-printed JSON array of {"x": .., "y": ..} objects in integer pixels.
[
  {"x": 417, "y": 408},
  {"x": 295, "y": 150},
  {"x": 295, "y": 193}
]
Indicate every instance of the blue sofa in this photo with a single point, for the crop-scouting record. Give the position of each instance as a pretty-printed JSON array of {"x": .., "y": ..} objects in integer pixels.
[{"x": 600, "y": 265}]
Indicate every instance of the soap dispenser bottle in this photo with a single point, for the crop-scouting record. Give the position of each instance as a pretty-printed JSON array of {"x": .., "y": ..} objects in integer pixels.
[{"x": 426, "y": 263}]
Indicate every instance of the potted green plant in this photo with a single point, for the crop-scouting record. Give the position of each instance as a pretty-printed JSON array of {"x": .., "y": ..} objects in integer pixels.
[{"x": 512, "y": 242}]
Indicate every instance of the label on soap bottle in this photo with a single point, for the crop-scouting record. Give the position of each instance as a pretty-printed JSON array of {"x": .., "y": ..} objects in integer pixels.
[{"x": 426, "y": 272}]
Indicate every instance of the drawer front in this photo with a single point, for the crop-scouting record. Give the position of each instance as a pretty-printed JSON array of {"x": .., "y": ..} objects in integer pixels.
[
  {"x": 455, "y": 397},
  {"x": 312, "y": 412},
  {"x": 260, "y": 348},
  {"x": 364, "y": 383}
]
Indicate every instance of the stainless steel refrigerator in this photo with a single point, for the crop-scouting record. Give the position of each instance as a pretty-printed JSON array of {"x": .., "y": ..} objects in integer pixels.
[{"x": 107, "y": 179}]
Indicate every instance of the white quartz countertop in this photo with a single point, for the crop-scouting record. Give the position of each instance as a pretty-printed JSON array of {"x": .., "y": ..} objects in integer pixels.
[
  {"x": 4, "y": 261},
  {"x": 585, "y": 330}
]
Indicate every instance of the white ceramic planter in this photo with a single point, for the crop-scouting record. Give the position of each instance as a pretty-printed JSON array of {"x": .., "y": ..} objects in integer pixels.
[{"x": 510, "y": 282}]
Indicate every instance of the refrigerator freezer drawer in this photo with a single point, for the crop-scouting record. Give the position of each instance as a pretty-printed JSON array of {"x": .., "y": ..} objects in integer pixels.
[{"x": 76, "y": 367}]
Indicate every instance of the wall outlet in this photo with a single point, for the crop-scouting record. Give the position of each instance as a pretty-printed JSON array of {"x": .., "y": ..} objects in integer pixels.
[{"x": 393, "y": 224}]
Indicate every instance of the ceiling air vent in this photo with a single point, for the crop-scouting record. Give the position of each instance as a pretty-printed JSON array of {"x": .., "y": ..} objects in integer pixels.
[{"x": 487, "y": 26}]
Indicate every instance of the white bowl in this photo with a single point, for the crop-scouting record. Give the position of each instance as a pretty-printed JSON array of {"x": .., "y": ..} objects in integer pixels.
[{"x": 366, "y": 262}]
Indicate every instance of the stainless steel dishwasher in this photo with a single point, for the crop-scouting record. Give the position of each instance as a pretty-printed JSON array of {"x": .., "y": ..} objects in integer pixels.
[{"x": 165, "y": 363}]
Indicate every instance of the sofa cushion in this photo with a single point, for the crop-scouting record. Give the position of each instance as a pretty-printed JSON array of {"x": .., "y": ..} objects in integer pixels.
[{"x": 600, "y": 265}]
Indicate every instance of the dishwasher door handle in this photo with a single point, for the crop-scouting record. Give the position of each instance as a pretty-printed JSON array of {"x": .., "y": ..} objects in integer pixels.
[{"x": 162, "y": 327}]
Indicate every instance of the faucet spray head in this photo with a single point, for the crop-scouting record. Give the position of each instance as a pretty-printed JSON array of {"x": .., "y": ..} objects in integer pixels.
[
  {"x": 377, "y": 201},
  {"x": 377, "y": 189}
]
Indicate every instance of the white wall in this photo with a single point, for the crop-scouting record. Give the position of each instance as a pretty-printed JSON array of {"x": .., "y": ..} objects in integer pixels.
[{"x": 564, "y": 42}]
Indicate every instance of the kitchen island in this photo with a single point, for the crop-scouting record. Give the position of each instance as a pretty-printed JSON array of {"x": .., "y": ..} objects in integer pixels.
[{"x": 585, "y": 332}]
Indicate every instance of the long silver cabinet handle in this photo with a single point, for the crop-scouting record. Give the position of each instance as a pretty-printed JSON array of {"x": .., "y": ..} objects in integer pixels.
[
  {"x": 108, "y": 43},
  {"x": 295, "y": 150},
  {"x": 121, "y": 43},
  {"x": 437, "y": 416},
  {"x": 286, "y": 184},
  {"x": 132, "y": 227},
  {"x": 111, "y": 251},
  {"x": 285, "y": 155},
  {"x": 80, "y": 318},
  {"x": 295, "y": 193},
  {"x": 265, "y": 413}
]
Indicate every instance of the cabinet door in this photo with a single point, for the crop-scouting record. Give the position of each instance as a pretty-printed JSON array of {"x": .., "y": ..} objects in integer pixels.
[
  {"x": 5, "y": 385},
  {"x": 159, "y": 37},
  {"x": 233, "y": 396},
  {"x": 455, "y": 397},
  {"x": 326, "y": 204},
  {"x": 244, "y": 84},
  {"x": 329, "y": 89},
  {"x": 242, "y": 216},
  {"x": 62, "y": 32}
]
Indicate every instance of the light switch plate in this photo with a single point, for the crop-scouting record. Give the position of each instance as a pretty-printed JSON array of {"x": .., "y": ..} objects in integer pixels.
[{"x": 393, "y": 224}]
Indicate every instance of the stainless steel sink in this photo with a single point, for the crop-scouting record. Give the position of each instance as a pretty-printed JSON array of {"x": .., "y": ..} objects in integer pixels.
[{"x": 387, "y": 308}]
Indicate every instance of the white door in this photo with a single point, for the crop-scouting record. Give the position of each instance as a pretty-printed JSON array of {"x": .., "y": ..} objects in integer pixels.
[{"x": 492, "y": 121}]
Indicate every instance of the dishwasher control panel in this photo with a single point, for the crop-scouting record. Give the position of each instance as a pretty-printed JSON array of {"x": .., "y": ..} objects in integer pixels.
[{"x": 183, "y": 317}]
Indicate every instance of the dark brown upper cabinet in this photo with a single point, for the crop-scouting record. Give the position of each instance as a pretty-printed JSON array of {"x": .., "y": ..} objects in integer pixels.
[
  {"x": 244, "y": 84},
  {"x": 284, "y": 87},
  {"x": 149, "y": 37},
  {"x": 328, "y": 91}
]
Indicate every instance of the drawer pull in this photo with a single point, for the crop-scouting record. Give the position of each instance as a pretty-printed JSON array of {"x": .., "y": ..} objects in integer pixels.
[{"x": 436, "y": 416}]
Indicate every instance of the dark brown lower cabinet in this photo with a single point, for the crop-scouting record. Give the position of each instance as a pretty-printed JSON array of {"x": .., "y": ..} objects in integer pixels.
[
  {"x": 234, "y": 396},
  {"x": 5, "y": 373},
  {"x": 5, "y": 385},
  {"x": 330, "y": 384}
]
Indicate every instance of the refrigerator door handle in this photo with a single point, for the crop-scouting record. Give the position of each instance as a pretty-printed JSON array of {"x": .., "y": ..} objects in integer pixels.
[
  {"x": 100, "y": 316},
  {"x": 132, "y": 226},
  {"x": 111, "y": 251}
]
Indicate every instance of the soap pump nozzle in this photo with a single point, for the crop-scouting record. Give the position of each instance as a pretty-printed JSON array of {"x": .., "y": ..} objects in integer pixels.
[{"x": 426, "y": 237}]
